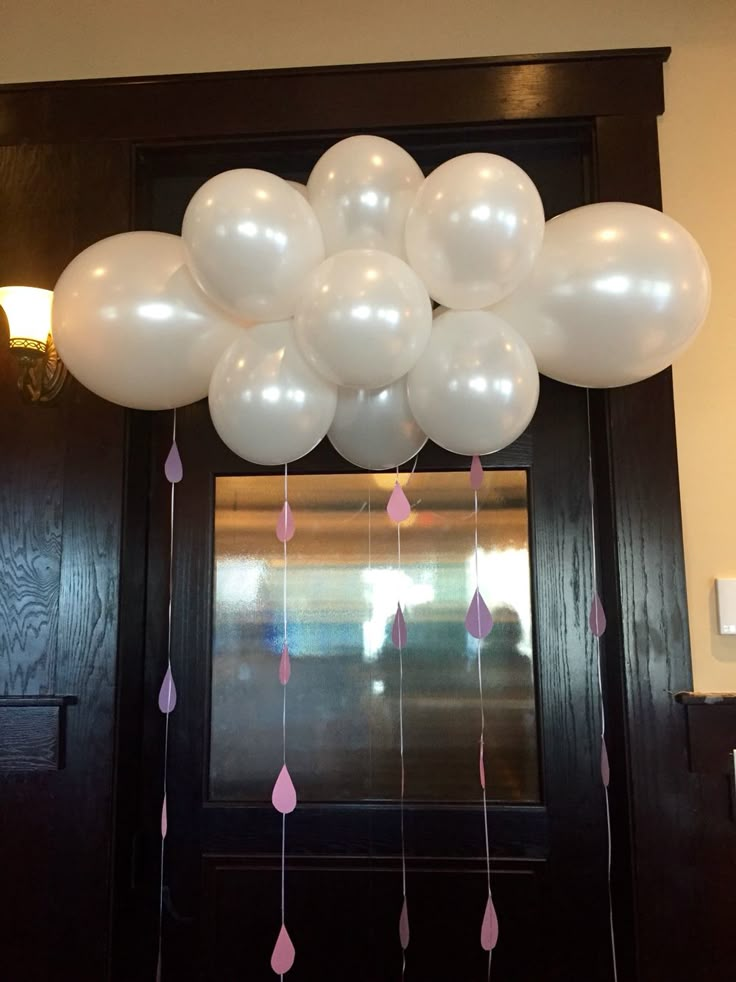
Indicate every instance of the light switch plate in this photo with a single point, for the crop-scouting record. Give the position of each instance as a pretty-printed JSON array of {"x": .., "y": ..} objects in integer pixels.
[{"x": 726, "y": 602}]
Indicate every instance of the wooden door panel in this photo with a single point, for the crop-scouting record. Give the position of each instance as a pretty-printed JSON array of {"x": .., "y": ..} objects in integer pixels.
[
  {"x": 559, "y": 845},
  {"x": 60, "y": 524},
  {"x": 340, "y": 930}
]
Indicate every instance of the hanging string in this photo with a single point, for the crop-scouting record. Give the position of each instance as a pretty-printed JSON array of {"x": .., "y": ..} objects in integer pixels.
[
  {"x": 597, "y": 622},
  {"x": 283, "y": 710},
  {"x": 284, "y": 793},
  {"x": 399, "y": 509},
  {"x": 173, "y": 472},
  {"x": 482, "y": 721},
  {"x": 479, "y": 623},
  {"x": 404, "y": 934},
  {"x": 370, "y": 534}
]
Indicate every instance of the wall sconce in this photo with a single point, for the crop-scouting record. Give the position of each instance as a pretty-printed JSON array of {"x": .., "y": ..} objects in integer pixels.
[{"x": 41, "y": 372}]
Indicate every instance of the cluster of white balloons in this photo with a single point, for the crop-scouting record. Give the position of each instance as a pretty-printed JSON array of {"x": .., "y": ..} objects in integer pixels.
[{"x": 306, "y": 311}]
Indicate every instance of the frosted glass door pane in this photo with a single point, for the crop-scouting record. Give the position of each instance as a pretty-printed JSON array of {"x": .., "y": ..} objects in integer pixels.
[{"x": 344, "y": 581}]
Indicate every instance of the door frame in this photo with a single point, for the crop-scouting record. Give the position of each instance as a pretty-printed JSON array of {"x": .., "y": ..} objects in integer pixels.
[{"x": 618, "y": 95}]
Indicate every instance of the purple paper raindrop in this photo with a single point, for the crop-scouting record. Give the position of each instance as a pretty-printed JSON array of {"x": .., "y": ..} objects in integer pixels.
[
  {"x": 283, "y": 795},
  {"x": 285, "y": 527},
  {"x": 284, "y": 666},
  {"x": 164, "y": 819},
  {"x": 404, "y": 926},
  {"x": 489, "y": 927},
  {"x": 605, "y": 768},
  {"x": 597, "y": 618},
  {"x": 478, "y": 620},
  {"x": 284, "y": 953},
  {"x": 398, "y": 630},
  {"x": 167, "y": 693},
  {"x": 398, "y": 506},
  {"x": 173, "y": 468},
  {"x": 476, "y": 474}
]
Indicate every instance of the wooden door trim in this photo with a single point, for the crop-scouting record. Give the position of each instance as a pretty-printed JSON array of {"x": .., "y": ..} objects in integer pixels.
[{"x": 191, "y": 107}]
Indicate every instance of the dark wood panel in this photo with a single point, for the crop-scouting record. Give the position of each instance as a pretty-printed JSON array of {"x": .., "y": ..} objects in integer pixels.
[
  {"x": 61, "y": 506},
  {"x": 647, "y": 652},
  {"x": 711, "y": 731},
  {"x": 30, "y": 737},
  {"x": 88, "y": 629},
  {"x": 334, "y": 942},
  {"x": 405, "y": 94},
  {"x": 31, "y": 478},
  {"x": 627, "y": 159},
  {"x": 132, "y": 918},
  {"x": 656, "y": 662}
]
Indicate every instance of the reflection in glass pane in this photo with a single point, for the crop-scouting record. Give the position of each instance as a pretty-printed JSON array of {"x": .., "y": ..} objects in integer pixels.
[{"x": 343, "y": 586}]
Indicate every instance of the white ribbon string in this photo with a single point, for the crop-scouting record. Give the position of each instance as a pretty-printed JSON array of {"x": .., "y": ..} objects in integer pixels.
[
  {"x": 599, "y": 667},
  {"x": 283, "y": 712},
  {"x": 401, "y": 739},
  {"x": 482, "y": 714},
  {"x": 166, "y": 715}
]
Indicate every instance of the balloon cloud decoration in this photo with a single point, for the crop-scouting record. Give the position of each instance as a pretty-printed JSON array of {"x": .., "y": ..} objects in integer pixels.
[{"x": 307, "y": 311}]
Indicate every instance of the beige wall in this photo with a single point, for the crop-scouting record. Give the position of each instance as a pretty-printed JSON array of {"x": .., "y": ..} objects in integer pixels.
[{"x": 45, "y": 39}]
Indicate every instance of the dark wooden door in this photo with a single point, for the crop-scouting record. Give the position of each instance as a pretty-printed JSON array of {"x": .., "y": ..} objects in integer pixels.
[
  {"x": 547, "y": 818},
  {"x": 85, "y": 159}
]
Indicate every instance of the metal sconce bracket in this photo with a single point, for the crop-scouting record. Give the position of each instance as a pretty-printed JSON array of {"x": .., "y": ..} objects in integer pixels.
[{"x": 42, "y": 372}]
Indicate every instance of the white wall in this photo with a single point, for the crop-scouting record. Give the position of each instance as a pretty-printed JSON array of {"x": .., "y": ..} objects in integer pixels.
[{"x": 47, "y": 39}]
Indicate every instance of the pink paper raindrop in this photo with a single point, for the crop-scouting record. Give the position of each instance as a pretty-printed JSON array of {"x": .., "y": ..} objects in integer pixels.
[
  {"x": 489, "y": 927},
  {"x": 597, "y": 618},
  {"x": 284, "y": 666},
  {"x": 164, "y": 819},
  {"x": 283, "y": 796},
  {"x": 173, "y": 468},
  {"x": 167, "y": 693},
  {"x": 398, "y": 506},
  {"x": 476, "y": 474},
  {"x": 478, "y": 620},
  {"x": 285, "y": 527},
  {"x": 404, "y": 926},
  {"x": 482, "y": 766},
  {"x": 398, "y": 631},
  {"x": 605, "y": 768},
  {"x": 283, "y": 955}
]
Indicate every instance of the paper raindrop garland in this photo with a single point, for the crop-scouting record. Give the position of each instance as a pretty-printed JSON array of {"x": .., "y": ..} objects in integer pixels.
[
  {"x": 173, "y": 472},
  {"x": 399, "y": 509},
  {"x": 597, "y": 624},
  {"x": 479, "y": 624},
  {"x": 283, "y": 796}
]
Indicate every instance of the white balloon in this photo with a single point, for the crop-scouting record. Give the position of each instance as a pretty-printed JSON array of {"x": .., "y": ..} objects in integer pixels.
[
  {"x": 475, "y": 388},
  {"x": 374, "y": 428},
  {"x": 299, "y": 188},
  {"x": 266, "y": 402},
  {"x": 474, "y": 230},
  {"x": 132, "y": 325},
  {"x": 361, "y": 190},
  {"x": 618, "y": 292},
  {"x": 252, "y": 242},
  {"x": 364, "y": 318}
]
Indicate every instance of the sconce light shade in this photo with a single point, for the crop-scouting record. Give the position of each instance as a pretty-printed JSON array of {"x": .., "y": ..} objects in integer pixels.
[{"x": 28, "y": 310}]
